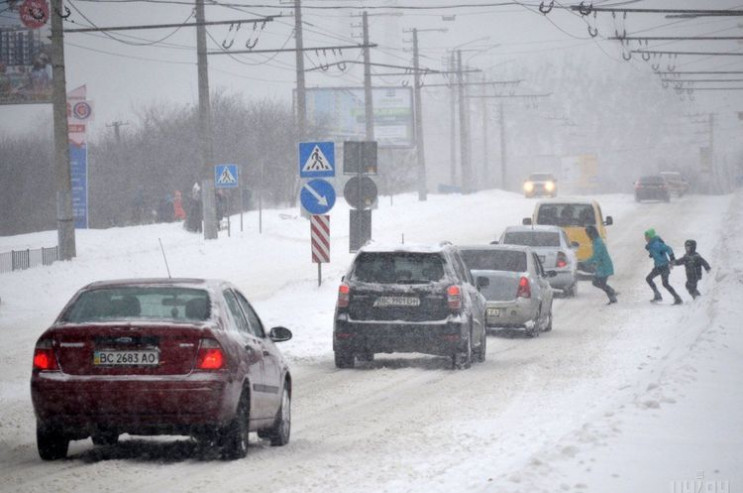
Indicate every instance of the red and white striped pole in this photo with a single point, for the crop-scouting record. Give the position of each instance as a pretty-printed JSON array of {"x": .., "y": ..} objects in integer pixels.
[{"x": 320, "y": 234}]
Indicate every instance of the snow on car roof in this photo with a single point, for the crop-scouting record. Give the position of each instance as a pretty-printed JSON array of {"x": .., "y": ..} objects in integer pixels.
[
  {"x": 534, "y": 227},
  {"x": 404, "y": 247}
]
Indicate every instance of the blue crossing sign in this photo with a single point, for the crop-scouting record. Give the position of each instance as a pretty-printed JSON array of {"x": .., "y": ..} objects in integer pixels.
[
  {"x": 316, "y": 159},
  {"x": 225, "y": 176},
  {"x": 317, "y": 196}
]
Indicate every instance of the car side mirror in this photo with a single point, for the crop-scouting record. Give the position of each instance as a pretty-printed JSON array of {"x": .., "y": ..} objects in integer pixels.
[
  {"x": 280, "y": 334},
  {"x": 551, "y": 273},
  {"x": 494, "y": 242},
  {"x": 609, "y": 221},
  {"x": 574, "y": 244},
  {"x": 526, "y": 221},
  {"x": 482, "y": 282}
]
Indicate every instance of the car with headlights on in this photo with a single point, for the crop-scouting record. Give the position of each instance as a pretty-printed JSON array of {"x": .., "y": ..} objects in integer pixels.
[
  {"x": 554, "y": 250},
  {"x": 160, "y": 357},
  {"x": 518, "y": 294},
  {"x": 540, "y": 184},
  {"x": 406, "y": 298}
]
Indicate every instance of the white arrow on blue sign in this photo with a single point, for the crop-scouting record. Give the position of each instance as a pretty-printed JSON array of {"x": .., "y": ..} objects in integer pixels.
[
  {"x": 316, "y": 159},
  {"x": 317, "y": 196}
]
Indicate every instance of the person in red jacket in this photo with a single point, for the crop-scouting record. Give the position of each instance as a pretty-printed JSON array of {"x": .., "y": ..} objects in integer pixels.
[{"x": 178, "y": 212}]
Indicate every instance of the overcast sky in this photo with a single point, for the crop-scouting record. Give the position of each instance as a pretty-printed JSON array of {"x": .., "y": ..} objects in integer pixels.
[{"x": 127, "y": 71}]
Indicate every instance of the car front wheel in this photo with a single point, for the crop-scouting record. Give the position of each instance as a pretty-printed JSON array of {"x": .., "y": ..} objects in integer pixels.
[{"x": 281, "y": 430}]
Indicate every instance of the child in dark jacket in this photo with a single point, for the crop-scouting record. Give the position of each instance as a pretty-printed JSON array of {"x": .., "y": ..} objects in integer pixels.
[{"x": 693, "y": 263}]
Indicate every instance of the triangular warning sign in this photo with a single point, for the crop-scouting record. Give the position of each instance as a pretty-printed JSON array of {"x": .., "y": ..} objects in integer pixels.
[
  {"x": 317, "y": 161},
  {"x": 226, "y": 178}
]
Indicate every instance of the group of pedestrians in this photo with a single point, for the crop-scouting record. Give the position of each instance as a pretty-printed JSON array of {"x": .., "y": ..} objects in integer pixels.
[{"x": 663, "y": 260}]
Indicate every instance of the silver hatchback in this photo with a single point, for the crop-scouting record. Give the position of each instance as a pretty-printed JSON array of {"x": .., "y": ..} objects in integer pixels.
[
  {"x": 518, "y": 294},
  {"x": 554, "y": 250}
]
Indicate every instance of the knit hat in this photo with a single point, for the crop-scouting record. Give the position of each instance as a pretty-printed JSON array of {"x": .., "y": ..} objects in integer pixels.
[{"x": 650, "y": 233}]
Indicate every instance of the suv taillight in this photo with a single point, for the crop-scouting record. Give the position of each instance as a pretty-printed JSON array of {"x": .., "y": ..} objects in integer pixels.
[
  {"x": 210, "y": 356},
  {"x": 344, "y": 295},
  {"x": 44, "y": 358},
  {"x": 562, "y": 259},
  {"x": 524, "y": 289},
  {"x": 454, "y": 298}
]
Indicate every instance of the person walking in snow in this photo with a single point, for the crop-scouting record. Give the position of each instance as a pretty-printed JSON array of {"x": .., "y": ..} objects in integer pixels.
[
  {"x": 693, "y": 263},
  {"x": 603, "y": 263},
  {"x": 663, "y": 257}
]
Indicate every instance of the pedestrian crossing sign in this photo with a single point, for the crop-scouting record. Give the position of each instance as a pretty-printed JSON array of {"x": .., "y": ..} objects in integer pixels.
[
  {"x": 316, "y": 159},
  {"x": 225, "y": 176}
]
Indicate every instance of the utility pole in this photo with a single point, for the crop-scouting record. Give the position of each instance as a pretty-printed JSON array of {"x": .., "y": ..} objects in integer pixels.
[
  {"x": 368, "y": 100},
  {"x": 116, "y": 126},
  {"x": 208, "y": 198},
  {"x": 502, "y": 123},
  {"x": 463, "y": 130},
  {"x": 485, "y": 181},
  {"x": 301, "y": 96},
  {"x": 65, "y": 216},
  {"x": 453, "y": 125},
  {"x": 422, "y": 191}
]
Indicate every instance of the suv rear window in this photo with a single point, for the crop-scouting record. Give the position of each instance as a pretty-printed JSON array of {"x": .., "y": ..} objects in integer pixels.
[
  {"x": 532, "y": 238},
  {"x": 398, "y": 268},
  {"x": 566, "y": 215},
  {"x": 652, "y": 180},
  {"x": 507, "y": 260}
]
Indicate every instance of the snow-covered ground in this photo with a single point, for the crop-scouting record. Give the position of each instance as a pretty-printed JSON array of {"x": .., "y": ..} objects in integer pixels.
[{"x": 632, "y": 397}]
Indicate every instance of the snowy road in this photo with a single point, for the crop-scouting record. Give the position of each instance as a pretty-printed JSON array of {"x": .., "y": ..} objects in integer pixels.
[{"x": 613, "y": 399}]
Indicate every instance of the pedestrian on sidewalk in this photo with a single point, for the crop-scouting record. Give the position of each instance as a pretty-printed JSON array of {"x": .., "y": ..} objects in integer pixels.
[
  {"x": 603, "y": 263},
  {"x": 663, "y": 258}
]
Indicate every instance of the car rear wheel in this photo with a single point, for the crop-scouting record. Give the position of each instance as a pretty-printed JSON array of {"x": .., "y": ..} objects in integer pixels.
[
  {"x": 51, "y": 443},
  {"x": 463, "y": 359},
  {"x": 344, "y": 359},
  {"x": 281, "y": 430},
  {"x": 234, "y": 439}
]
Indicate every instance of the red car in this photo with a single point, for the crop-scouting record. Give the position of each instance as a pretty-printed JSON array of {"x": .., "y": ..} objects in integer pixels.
[{"x": 160, "y": 357}]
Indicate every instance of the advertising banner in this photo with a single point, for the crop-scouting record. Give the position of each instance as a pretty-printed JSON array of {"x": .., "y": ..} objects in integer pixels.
[
  {"x": 25, "y": 53},
  {"x": 341, "y": 112}
]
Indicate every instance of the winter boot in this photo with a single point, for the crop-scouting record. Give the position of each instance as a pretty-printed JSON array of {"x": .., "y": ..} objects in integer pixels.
[
  {"x": 656, "y": 297},
  {"x": 677, "y": 300},
  {"x": 612, "y": 300}
]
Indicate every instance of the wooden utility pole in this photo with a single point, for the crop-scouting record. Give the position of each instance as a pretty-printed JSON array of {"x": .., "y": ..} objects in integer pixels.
[
  {"x": 65, "y": 216},
  {"x": 208, "y": 199}
]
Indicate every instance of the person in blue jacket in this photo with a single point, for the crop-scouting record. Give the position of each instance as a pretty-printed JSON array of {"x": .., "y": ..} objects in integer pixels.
[
  {"x": 663, "y": 257},
  {"x": 603, "y": 263}
]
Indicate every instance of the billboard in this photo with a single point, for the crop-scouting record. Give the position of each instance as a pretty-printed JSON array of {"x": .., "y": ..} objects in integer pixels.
[
  {"x": 25, "y": 53},
  {"x": 341, "y": 111}
]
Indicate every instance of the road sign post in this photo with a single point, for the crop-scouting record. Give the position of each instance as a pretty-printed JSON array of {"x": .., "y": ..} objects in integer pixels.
[{"x": 320, "y": 234}]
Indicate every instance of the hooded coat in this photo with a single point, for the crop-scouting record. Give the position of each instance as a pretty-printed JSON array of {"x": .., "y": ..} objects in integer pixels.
[
  {"x": 693, "y": 262},
  {"x": 600, "y": 258},
  {"x": 661, "y": 253}
]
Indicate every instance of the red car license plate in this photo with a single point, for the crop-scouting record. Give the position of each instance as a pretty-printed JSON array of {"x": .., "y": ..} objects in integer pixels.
[{"x": 147, "y": 357}]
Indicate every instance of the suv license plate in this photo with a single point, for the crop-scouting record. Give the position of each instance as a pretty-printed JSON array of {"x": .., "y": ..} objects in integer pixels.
[
  {"x": 385, "y": 301},
  {"x": 494, "y": 312},
  {"x": 126, "y": 358}
]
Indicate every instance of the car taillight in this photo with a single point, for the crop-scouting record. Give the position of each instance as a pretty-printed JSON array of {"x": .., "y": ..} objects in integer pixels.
[
  {"x": 454, "y": 298},
  {"x": 44, "y": 358},
  {"x": 524, "y": 289},
  {"x": 210, "y": 356},
  {"x": 344, "y": 295},
  {"x": 562, "y": 259}
]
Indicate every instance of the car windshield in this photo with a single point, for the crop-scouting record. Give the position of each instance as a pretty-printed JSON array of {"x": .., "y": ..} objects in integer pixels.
[
  {"x": 566, "y": 215},
  {"x": 508, "y": 260},
  {"x": 540, "y": 177},
  {"x": 532, "y": 238},
  {"x": 398, "y": 268},
  {"x": 139, "y": 302}
]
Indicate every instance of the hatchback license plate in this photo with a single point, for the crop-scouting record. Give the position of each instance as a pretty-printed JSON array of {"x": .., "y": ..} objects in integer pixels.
[{"x": 126, "y": 358}]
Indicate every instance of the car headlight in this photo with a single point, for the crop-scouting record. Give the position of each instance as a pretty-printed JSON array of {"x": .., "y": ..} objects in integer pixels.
[
  {"x": 528, "y": 186},
  {"x": 549, "y": 186}
]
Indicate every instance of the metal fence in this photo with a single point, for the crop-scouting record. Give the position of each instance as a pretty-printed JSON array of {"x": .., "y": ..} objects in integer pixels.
[{"x": 25, "y": 259}]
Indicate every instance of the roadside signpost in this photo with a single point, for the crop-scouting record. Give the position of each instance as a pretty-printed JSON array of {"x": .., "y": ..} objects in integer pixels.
[{"x": 317, "y": 196}]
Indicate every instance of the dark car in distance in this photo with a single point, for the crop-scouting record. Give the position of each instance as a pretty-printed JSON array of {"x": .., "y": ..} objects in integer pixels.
[
  {"x": 409, "y": 299},
  {"x": 652, "y": 187},
  {"x": 160, "y": 357}
]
